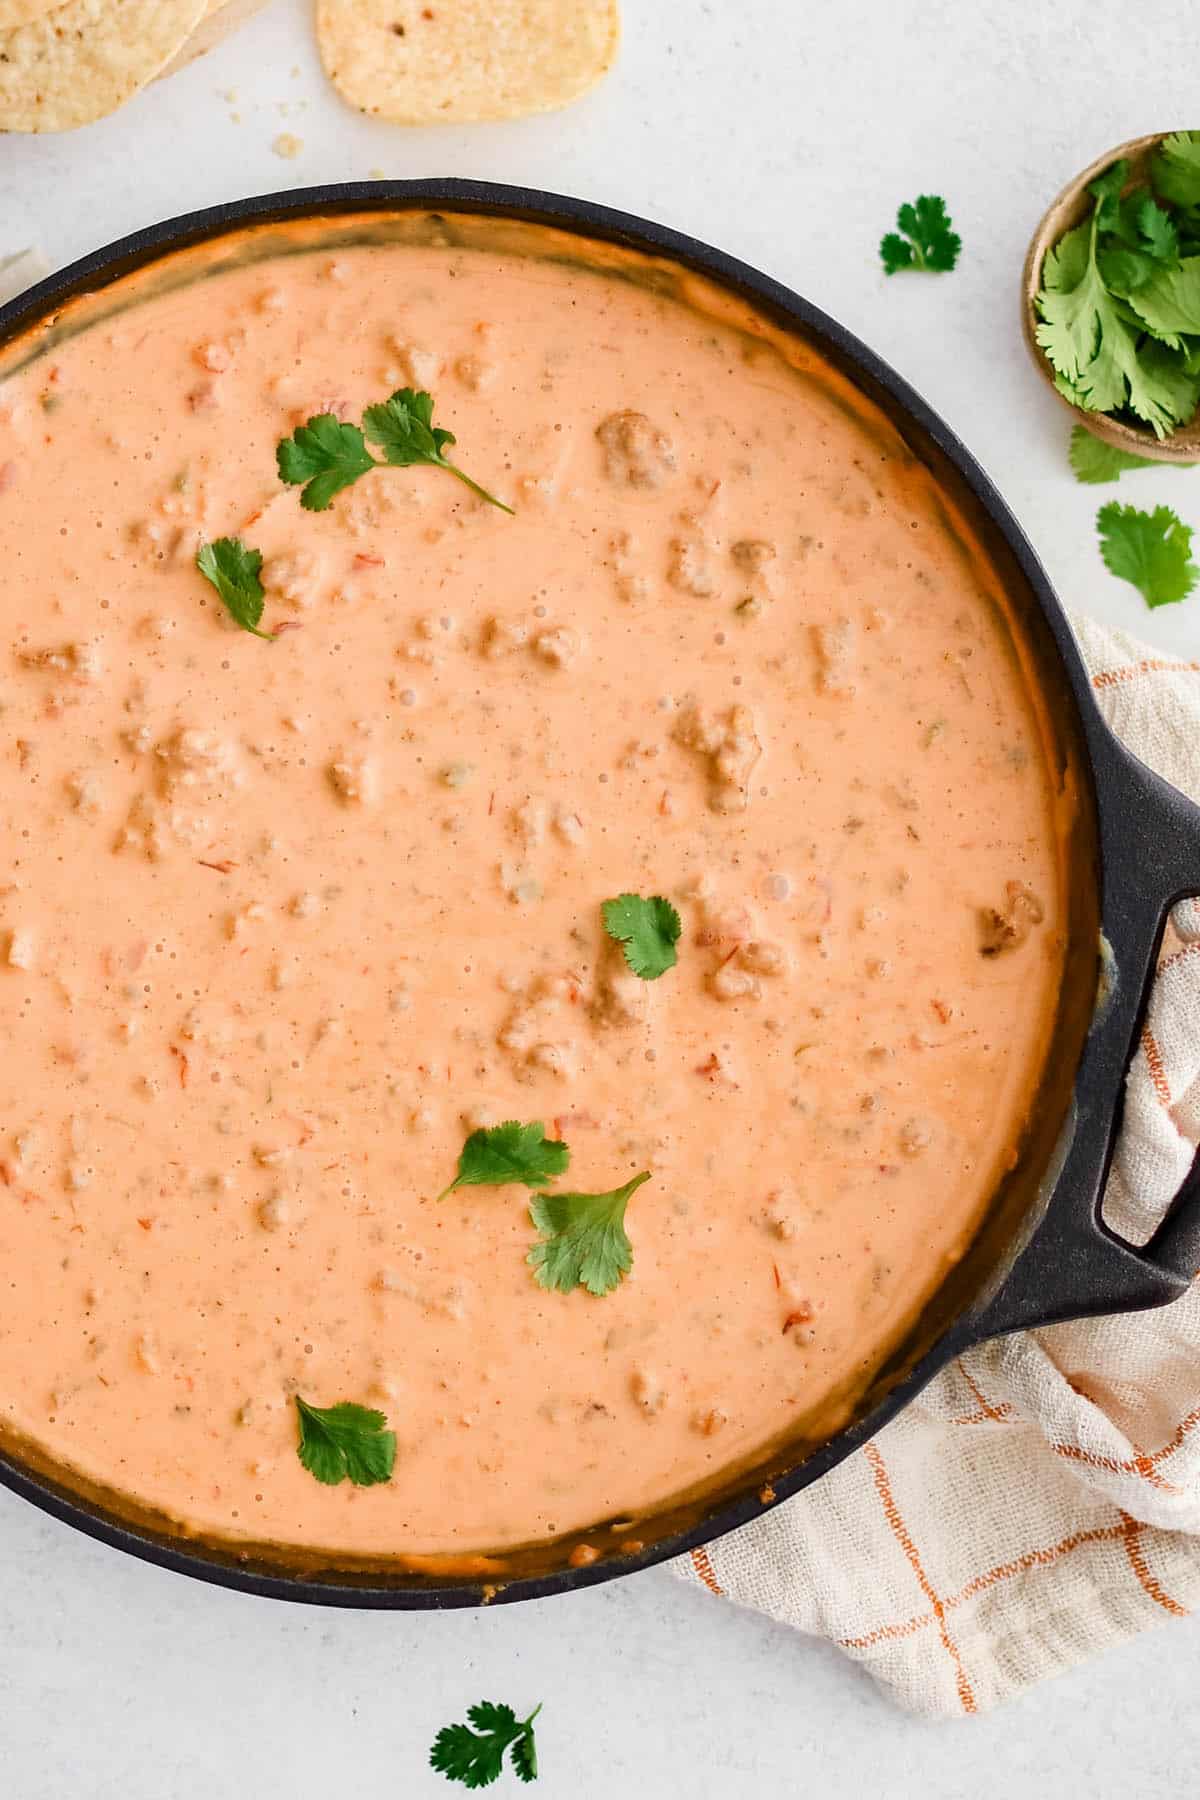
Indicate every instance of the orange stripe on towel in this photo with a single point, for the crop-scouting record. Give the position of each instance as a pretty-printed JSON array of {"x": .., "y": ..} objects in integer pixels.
[
  {"x": 1175, "y": 1441},
  {"x": 702, "y": 1563},
  {"x": 1132, "y": 1533},
  {"x": 1150, "y": 665},
  {"x": 989, "y": 1411},
  {"x": 1154, "y": 1063},
  {"x": 891, "y": 1513},
  {"x": 1141, "y": 1464},
  {"x": 1032, "y": 1559}
]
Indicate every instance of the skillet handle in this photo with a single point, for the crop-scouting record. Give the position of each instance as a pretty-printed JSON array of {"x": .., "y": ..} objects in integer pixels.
[{"x": 1075, "y": 1265}]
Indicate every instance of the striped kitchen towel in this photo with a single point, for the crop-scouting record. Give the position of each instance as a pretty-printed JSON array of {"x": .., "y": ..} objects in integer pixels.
[{"x": 1041, "y": 1499}]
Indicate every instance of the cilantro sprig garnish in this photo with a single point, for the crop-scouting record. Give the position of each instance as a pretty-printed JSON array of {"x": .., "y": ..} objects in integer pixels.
[
  {"x": 234, "y": 569},
  {"x": 1119, "y": 306},
  {"x": 476, "y": 1757},
  {"x": 403, "y": 428},
  {"x": 647, "y": 931},
  {"x": 1153, "y": 550},
  {"x": 499, "y": 1154},
  {"x": 584, "y": 1242},
  {"x": 345, "y": 1442},
  {"x": 928, "y": 241},
  {"x": 326, "y": 455}
]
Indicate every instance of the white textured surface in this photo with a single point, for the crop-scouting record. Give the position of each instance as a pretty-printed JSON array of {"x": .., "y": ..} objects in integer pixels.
[{"x": 787, "y": 134}]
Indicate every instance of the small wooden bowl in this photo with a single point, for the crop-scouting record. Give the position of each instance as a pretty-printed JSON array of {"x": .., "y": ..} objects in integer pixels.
[{"x": 1070, "y": 207}]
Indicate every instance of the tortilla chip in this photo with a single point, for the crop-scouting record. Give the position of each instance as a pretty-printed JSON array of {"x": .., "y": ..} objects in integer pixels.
[
  {"x": 20, "y": 12},
  {"x": 86, "y": 58},
  {"x": 220, "y": 20},
  {"x": 418, "y": 62}
]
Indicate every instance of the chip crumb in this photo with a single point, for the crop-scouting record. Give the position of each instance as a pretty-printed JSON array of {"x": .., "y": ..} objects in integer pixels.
[{"x": 287, "y": 144}]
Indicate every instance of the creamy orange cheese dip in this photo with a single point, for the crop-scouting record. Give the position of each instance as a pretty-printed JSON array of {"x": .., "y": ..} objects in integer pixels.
[{"x": 283, "y": 922}]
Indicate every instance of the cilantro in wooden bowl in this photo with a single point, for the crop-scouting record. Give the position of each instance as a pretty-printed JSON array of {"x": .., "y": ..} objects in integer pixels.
[{"x": 1111, "y": 298}]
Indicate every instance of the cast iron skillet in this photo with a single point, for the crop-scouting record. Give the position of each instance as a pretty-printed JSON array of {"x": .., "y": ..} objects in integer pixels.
[{"x": 1044, "y": 1253}]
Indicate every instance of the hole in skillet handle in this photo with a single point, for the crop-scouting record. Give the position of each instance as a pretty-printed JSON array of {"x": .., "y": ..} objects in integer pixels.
[
  {"x": 1074, "y": 1264},
  {"x": 1174, "y": 824}
]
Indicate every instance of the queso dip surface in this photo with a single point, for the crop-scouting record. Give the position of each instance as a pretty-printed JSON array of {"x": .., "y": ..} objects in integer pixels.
[{"x": 283, "y": 922}]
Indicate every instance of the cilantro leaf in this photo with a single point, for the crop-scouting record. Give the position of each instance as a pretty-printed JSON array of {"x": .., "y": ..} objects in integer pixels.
[
  {"x": 326, "y": 456},
  {"x": 460, "y": 1755},
  {"x": 492, "y": 1715},
  {"x": 584, "y": 1242},
  {"x": 476, "y": 1757},
  {"x": 896, "y": 253},
  {"x": 524, "y": 1757},
  {"x": 1119, "y": 309},
  {"x": 647, "y": 931},
  {"x": 1143, "y": 241},
  {"x": 1069, "y": 391},
  {"x": 1175, "y": 168},
  {"x": 929, "y": 241},
  {"x": 1066, "y": 262},
  {"x": 1081, "y": 330},
  {"x": 1169, "y": 303},
  {"x": 1107, "y": 189},
  {"x": 1095, "y": 350},
  {"x": 1094, "y": 461},
  {"x": 1150, "y": 549},
  {"x": 1168, "y": 374},
  {"x": 1157, "y": 230},
  {"x": 500, "y": 1154},
  {"x": 1124, "y": 271},
  {"x": 234, "y": 569},
  {"x": 404, "y": 430},
  {"x": 345, "y": 1440}
]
